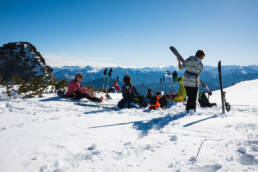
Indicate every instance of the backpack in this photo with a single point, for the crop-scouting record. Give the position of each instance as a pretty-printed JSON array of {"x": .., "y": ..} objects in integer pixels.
[
  {"x": 204, "y": 101},
  {"x": 158, "y": 102}
]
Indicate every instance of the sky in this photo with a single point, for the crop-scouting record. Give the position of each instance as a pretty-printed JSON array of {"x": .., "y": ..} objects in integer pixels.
[{"x": 135, "y": 33}]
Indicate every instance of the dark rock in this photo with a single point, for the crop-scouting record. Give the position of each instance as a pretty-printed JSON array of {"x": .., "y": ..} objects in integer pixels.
[{"x": 22, "y": 59}]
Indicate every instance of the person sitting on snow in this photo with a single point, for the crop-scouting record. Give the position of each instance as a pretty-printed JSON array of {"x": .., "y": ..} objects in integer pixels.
[
  {"x": 158, "y": 101},
  {"x": 181, "y": 93},
  {"x": 149, "y": 96},
  {"x": 131, "y": 97},
  {"x": 204, "y": 100},
  {"x": 114, "y": 87},
  {"x": 75, "y": 90}
]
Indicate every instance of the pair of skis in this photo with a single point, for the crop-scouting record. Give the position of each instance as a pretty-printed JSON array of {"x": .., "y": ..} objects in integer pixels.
[
  {"x": 109, "y": 77},
  {"x": 225, "y": 104}
]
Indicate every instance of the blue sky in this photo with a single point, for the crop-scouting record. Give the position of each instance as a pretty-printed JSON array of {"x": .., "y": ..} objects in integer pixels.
[{"x": 133, "y": 32}]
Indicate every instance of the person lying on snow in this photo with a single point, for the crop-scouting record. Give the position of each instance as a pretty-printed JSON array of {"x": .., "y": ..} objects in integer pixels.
[
  {"x": 131, "y": 97},
  {"x": 75, "y": 91}
]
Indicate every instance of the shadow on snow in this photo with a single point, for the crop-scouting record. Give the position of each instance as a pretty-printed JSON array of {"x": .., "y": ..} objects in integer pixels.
[
  {"x": 103, "y": 109},
  {"x": 195, "y": 122},
  {"x": 156, "y": 123},
  {"x": 145, "y": 126}
]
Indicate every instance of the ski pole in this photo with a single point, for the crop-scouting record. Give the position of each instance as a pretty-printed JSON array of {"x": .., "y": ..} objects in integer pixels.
[
  {"x": 109, "y": 76},
  {"x": 169, "y": 81},
  {"x": 160, "y": 83},
  {"x": 164, "y": 84},
  {"x": 105, "y": 72}
]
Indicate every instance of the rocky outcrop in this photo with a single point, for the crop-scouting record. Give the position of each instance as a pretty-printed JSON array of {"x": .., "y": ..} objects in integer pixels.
[{"x": 22, "y": 59}]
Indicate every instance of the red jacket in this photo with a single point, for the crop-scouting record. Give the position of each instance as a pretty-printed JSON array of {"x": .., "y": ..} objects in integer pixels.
[
  {"x": 74, "y": 86},
  {"x": 116, "y": 86}
]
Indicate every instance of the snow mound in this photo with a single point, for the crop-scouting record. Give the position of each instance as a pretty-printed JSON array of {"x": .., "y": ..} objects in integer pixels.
[{"x": 243, "y": 93}]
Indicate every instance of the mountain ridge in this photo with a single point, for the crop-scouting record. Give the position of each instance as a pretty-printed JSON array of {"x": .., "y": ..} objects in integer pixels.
[{"x": 149, "y": 77}]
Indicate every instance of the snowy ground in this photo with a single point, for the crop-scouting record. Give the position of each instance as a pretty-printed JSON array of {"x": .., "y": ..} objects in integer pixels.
[{"x": 52, "y": 135}]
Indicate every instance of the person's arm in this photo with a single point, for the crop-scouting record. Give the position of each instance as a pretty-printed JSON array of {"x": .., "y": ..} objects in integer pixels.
[
  {"x": 124, "y": 92},
  {"x": 180, "y": 67},
  {"x": 81, "y": 89},
  {"x": 176, "y": 53},
  {"x": 117, "y": 88},
  {"x": 205, "y": 87},
  {"x": 90, "y": 92}
]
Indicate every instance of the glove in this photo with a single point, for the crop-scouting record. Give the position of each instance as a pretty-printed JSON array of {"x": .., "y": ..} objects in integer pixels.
[{"x": 210, "y": 93}]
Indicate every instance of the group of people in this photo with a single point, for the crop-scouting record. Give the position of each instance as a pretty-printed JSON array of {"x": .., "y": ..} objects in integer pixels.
[{"x": 132, "y": 99}]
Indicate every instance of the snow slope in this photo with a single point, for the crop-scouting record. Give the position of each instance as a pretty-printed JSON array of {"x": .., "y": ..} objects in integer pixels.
[{"x": 52, "y": 135}]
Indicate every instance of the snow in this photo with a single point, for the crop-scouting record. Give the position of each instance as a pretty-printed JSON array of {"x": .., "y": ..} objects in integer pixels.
[
  {"x": 95, "y": 70},
  {"x": 244, "y": 72},
  {"x": 243, "y": 94},
  {"x": 51, "y": 134}
]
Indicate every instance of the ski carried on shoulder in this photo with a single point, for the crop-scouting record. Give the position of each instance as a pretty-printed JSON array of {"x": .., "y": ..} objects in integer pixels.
[{"x": 224, "y": 103}]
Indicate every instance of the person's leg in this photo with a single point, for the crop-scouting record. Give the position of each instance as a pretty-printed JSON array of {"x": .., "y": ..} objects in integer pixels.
[
  {"x": 80, "y": 95},
  {"x": 95, "y": 99},
  {"x": 195, "y": 91},
  {"x": 188, "y": 89},
  {"x": 191, "y": 98}
]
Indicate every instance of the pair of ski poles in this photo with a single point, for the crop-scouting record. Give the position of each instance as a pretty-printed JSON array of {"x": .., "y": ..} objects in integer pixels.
[
  {"x": 163, "y": 82},
  {"x": 109, "y": 77}
]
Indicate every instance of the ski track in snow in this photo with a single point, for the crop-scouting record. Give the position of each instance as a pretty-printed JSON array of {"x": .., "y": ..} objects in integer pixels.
[{"x": 51, "y": 134}]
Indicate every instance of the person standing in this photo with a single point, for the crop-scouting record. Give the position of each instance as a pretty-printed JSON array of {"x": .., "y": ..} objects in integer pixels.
[{"x": 193, "y": 68}]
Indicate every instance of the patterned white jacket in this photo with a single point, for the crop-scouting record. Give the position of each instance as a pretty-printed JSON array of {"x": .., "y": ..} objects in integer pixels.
[{"x": 193, "y": 68}]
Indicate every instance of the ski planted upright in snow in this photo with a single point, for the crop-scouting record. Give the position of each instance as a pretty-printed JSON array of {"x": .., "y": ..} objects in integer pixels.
[{"x": 224, "y": 103}]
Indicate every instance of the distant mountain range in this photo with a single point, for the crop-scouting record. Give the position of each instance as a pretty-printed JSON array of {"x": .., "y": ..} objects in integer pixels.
[
  {"x": 149, "y": 77},
  {"x": 23, "y": 59}
]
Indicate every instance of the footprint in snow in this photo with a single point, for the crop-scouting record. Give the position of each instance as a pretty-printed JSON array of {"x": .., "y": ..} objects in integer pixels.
[
  {"x": 254, "y": 148},
  {"x": 92, "y": 147},
  {"x": 2, "y": 110},
  {"x": 54, "y": 118},
  {"x": 241, "y": 150},
  {"x": 43, "y": 168},
  {"x": 173, "y": 138},
  {"x": 60, "y": 147},
  {"x": 91, "y": 152},
  {"x": 248, "y": 159},
  {"x": 207, "y": 168},
  {"x": 3, "y": 128}
]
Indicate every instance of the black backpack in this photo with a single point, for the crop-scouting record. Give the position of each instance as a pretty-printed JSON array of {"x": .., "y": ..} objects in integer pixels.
[{"x": 204, "y": 101}]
